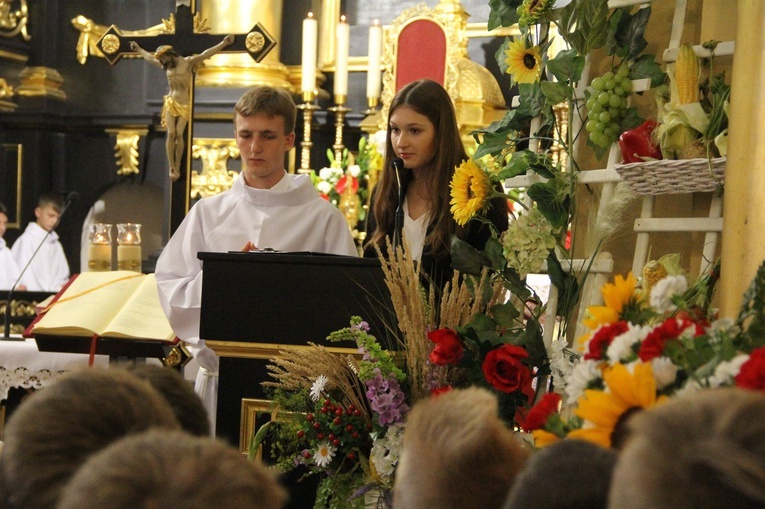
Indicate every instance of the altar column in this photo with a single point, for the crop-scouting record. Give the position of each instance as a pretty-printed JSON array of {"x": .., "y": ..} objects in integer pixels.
[{"x": 743, "y": 238}]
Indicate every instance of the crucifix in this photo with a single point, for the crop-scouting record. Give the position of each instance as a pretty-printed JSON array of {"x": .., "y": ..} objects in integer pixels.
[{"x": 179, "y": 52}]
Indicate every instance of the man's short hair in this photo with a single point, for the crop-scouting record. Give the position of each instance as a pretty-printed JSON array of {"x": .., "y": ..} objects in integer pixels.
[
  {"x": 457, "y": 453},
  {"x": 184, "y": 402},
  {"x": 274, "y": 102},
  {"x": 159, "y": 469},
  {"x": 54, "y": 200},
  {"x": 700, "y": 451},
  {"x": 55, "y": 430},
  {"x": 570, "y": 474}
]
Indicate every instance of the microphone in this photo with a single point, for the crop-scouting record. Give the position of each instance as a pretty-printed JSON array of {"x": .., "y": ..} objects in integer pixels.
[
  {"x": 70, "y": 198},
  {"x": 398, "y": 225}
]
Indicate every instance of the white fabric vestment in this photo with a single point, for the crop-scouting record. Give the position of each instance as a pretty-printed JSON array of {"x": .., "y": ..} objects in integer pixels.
[
  {"x": 415, "y": 231},
  {"x": 291, "y": 216},
  {"x": 9, "y": 272},
  {"x": 49, "y": 270}
]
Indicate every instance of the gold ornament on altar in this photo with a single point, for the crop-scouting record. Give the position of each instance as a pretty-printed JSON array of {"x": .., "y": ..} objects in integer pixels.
[
  {"x": 111, "y": 43},
  {"x": 255, "y": 41}
]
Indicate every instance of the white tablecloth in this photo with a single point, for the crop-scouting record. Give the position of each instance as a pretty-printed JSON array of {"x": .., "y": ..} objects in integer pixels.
[{"x": 22, "y": 365}]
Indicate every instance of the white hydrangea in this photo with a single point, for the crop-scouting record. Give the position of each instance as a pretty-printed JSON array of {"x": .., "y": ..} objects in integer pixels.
[
  {"x": 386, "y": 452},
  {"x": 527, "y": 242},
  {"x": 663, "y": 291}
]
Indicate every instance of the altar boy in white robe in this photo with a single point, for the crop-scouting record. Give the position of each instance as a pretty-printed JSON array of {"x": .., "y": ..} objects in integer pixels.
[
  {"x": 9, "y": 272},
  {"x": 265, "y": 208},
  {"x": 49, "y": 270}
]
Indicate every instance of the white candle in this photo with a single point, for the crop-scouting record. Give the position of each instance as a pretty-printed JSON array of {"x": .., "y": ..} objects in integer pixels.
[
  {"x": 310, "y": 31},
  {"x": 375, "y": 54},
  {"x": 341, "y": 58},
  {"x": 129, "y": 257},
  {"x": 99, "y": 257}
]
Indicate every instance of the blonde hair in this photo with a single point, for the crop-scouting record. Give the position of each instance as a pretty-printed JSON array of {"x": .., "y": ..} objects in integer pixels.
[
  {"x": 702, "y": 451},
  {"x": 457, "y": 453}
]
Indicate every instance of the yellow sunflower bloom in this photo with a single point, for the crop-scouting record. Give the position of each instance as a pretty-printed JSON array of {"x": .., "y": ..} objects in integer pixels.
[
  {"x": 616, "y": 295},
  {"x": 523, "y": 63},
  {"x": 470, "y": 191},
  {"x": 544, "y": 438},
  {"x": 606, "y": 411},
  {"x": 531, "y": 10}
]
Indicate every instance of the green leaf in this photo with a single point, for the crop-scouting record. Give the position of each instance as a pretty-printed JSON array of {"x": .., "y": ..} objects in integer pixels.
[
  {"x": 505, "y": 314},
  {"x": 584, "y": 24},
  {"x": 555, "y": 92},
  {"x": 646, "y": 67},
  {"x": 599, "y": 151},
  {"x": 499, "y": 55},
  {"x": 531, "y": 99},
  {"x": 633, "y": 38},
  {"x": 553, "y": 201},
  {"x": 503, "y": 13},
  {"x": 751, "y": 318},
  {"x": 630, "y": 120},
  {"x": 466, "y": 259},
  {"x": 493, "y": 253},
  {"x": 493, "y": 144},
  {"x": 616, "y": 24},
  {"x": 567, "y": 66},
  {"x": 566, "y": 283}
]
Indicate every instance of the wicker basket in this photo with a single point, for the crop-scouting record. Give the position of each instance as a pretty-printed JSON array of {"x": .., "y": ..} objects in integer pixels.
[{"x": 673, "y": 176}]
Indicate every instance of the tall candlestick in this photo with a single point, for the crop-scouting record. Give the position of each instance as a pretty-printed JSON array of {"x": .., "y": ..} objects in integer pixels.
[
  {"x": 341, "y": 61},
  {"x": 310, "y": 30},
  {"x": 375, "y": 54}
]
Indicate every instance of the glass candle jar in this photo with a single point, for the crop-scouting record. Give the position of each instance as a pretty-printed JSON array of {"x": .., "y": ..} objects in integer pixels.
[
  {"x": 100, "y": 247},
  {"x": 129, "y": 247}
]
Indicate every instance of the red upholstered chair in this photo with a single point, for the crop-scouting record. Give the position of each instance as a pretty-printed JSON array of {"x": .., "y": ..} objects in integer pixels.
[{"x": 421, "y": 52}]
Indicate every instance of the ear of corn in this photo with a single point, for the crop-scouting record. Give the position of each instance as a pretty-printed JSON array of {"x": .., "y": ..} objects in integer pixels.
[
  {"x": 653, "y": 272},
  {"x": 687, "y": 72}
]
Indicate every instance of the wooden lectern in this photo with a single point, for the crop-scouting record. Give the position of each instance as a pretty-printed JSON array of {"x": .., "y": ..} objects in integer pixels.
[{"x": 254, "y": 304}]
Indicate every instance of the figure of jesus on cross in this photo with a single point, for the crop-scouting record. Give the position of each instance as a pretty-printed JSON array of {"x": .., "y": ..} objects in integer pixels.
[{"x": 180, "y": 72}]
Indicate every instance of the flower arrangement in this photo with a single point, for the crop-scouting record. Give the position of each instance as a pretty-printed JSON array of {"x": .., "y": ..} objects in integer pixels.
[
  {"x": 347, "y": 183},
  {"x": 343, "y": 416},
  {"x": 644, "y": 348}
]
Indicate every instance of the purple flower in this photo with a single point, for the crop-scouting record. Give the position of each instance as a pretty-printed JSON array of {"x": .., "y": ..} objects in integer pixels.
[{"x": 386, "y": 398}]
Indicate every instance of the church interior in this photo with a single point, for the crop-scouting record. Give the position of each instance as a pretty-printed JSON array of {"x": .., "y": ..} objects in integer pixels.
[{"x": 83, "y": 115}]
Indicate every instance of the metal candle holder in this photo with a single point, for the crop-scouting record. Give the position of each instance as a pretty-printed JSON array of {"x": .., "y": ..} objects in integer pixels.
[
  {"x": 340, "y": 112},
  {"x": 308, "y": 108}
]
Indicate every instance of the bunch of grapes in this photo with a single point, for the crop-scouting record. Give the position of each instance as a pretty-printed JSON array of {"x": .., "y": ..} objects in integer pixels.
[{"x": 607, "y": 105}]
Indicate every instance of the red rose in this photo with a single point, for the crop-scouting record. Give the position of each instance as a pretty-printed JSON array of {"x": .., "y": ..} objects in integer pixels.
[
  {"x": 603, "y": 338},
  {"x": 504, "y": 369},
  {"x": 539, "y": 413},
  {"x": 752, "y": 372},
  {"x": 448, "y": 348}
]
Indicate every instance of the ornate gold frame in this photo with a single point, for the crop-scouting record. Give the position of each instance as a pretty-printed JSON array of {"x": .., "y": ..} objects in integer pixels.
[
  {"x": 13, "y": 23},
  {"x": 248, "y": 423},
  {"x": 19, "y": 165}
]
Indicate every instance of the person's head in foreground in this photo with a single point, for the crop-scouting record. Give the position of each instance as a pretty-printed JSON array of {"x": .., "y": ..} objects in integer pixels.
[
  {"x": 570, "y": 474},
  {"x": 172, "y": 470},
  {"x": 701, "y": 451},
  {"x": 56, "y": 429},
  {"x": 457, "y": 453}
]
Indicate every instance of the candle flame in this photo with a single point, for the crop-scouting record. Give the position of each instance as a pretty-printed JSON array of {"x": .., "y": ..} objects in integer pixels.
[
  {"x": 342, "y": 18},
  {"x": 310, "y": 14},
  {"x": 376, "y": 22}
]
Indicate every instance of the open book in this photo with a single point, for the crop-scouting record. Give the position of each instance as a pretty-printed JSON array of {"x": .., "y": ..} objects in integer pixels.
[{"x": 118, "y": 304}]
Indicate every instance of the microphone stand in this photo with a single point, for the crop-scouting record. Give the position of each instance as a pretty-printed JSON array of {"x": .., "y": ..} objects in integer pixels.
[
  {"x": 398, "y": 225},
  {"x": 71, "y": 197}
]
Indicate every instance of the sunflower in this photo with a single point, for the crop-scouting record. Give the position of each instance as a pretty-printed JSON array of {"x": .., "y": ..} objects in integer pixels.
[
  {"x": 523, "y": 63},
  {"x": 609, "y": 411},
  {"x": 531, "y": 10},
  {"x": 617, "y": 296},
  {"x": 470, "y": 191}
]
